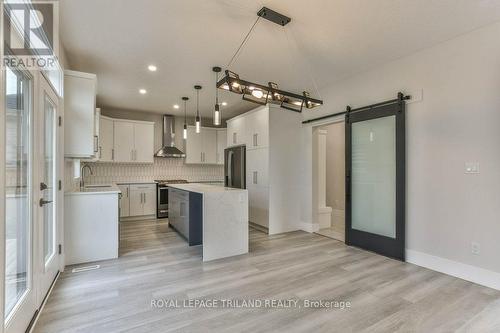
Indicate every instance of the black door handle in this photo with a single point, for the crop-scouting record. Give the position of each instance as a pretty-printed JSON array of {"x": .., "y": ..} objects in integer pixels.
[{"x": 44, "y": 202}]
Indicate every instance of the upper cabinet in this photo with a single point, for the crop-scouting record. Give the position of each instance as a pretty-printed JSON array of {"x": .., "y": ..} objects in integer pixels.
[
  {"x": 250, "y": 129},
  {"x": 106, "y": 139},
  {"x": 133, "y": 141},
  {"x": 144, "y": 142},
  {"x": 204, "y": 147},
  {"x": 80, "y": 115},
  {"x": 236, "y": 131},
  {"x": 221, "y": 145}
]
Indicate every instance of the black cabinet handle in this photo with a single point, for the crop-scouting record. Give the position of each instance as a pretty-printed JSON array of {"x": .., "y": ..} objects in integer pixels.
[{"x": 44, "y": 202}]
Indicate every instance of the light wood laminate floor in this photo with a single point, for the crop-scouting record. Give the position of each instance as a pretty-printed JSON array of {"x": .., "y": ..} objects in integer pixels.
[{"x": 155, "y": 263}]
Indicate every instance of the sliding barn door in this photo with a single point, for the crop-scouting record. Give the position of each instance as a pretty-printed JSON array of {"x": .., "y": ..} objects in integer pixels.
[{"x": 375, "y": 179}]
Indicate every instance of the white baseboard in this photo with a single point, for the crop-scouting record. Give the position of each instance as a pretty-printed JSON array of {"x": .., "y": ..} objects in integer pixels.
[
  {"x": 309, "y": 227},
  {"x": 470, "y": 273}
]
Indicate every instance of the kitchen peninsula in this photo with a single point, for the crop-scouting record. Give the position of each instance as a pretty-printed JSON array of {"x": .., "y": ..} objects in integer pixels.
[{"x": 215, "y": 217}]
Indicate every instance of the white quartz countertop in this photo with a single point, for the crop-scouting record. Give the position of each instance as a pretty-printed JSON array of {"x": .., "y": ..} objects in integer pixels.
[
  {"x": 205, "y": 188},
  {"x": 136, "y": 182},
  {"x": 96, "y": 189}
]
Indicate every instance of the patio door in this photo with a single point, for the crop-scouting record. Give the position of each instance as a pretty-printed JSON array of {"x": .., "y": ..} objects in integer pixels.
[
  {"x": 20, "y": 290},
  {"x": 375, "y": 179},
  {"x": 48, "y": 186}
]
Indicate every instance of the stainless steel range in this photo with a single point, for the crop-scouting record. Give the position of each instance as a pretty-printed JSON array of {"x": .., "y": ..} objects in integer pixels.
[{"x": 162, "y": 195}]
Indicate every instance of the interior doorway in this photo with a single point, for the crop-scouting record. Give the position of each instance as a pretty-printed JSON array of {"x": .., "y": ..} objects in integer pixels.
[{"x": 329, "y": 175}]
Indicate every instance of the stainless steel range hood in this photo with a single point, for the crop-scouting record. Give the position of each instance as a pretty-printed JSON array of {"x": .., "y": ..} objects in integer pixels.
[{"x": 169, "y": 149}]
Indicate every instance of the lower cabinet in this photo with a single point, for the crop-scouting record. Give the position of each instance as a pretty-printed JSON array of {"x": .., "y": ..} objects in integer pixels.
[
  {"x": 185, "y": 214},
  {"x": 125, "y": 200},
  {"x": 258, "y": 205},
  {"x": 138, "y": 200},
  {"x": 91, "y": 230}
]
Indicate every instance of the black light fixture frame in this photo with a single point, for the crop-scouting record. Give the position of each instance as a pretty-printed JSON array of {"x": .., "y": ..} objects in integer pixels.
[
  {"x": 240, "y": 86},
  {"x": 273, "y": 16}
]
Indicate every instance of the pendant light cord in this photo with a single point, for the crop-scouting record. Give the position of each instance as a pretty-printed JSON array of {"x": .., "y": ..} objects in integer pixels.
[
  {"x": 308, "y": 69},
  {"x": 216, "y": 89},
  {"x": 198, "y": 102},
  {"x": 243, "y": 43},
  {"x": 185, "y": 112}
]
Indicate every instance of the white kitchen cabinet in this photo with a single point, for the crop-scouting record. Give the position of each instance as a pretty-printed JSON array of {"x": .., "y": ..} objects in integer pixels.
[
  {"x": 258, "y": 205},
  {"x": 272, "y": 137},
  {"x": 125, "y": 200},
  {"x": 133, "y": 141},
  {"x": 79, "y": 115},
  {"x": 257, "y": 167},
  {"x": 142, "y": 199},
  {"x": 194, "y": 148},
  {"x": 106, "y": 139},
  {"x": 149, "y": 204},
  {"x": 201, "y": 148},
  {"x": 91, "y": 231},
  {"x": 144, "y": 142},
  {"x": 257, "y": 128},
  {"x": 123, "y": 138},
  {"x": 221, "y": 145},
  {"x": 136, "y": 205},
  {"x": 236, "y": 131},
  {"x": 209, "y": 145}
]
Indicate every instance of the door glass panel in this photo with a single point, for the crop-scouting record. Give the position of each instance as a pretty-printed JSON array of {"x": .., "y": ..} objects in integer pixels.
[
  {"x": 373, "y": 178},
  {"x": 49, "y": 180},
  {"x": 18, "y": 162}
]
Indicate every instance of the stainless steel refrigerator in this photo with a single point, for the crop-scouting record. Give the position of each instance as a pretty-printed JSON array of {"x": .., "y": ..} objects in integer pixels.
[{"x": 235, "y": 167}]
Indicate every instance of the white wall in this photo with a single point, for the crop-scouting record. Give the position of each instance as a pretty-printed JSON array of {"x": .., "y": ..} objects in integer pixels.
[
  {"x": 456, "y": 121},
  {"x": 335, "y": 173}
]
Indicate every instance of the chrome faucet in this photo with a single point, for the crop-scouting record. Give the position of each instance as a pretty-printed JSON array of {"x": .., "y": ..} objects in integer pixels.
[{"x": 82, "y": 174}]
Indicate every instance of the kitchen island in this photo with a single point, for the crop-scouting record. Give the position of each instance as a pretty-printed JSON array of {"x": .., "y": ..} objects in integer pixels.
[{"x": 215, "y": 217}]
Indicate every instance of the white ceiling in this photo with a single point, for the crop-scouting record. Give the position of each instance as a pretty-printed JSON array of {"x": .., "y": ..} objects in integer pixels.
[{"x": 326, "y": 41}]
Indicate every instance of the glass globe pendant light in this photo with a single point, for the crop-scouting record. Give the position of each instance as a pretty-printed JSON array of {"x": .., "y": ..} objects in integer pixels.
[
  {"x": 185, "y": 130},
  {"x": 217, "y": 105}
]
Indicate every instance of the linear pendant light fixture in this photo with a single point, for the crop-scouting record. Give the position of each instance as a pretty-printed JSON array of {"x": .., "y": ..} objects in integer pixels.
[
  {"x": 262, "y": 94},
  {"x": 217, "y": 116},
  {"x": 185, "y": 130},
  {"x": 198, "y": 118}
]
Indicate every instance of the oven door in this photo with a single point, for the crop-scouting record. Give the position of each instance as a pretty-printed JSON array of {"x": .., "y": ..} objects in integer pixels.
[{"x": 162, "y": 199}]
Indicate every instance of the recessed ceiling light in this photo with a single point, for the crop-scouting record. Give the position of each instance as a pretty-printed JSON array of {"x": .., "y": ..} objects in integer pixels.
[
  {"x": 176, "y": 106},
  {"x": 224, "y": 103},
  {"x": 152, "y": 68},
  {"x": 142, "y": 91}
]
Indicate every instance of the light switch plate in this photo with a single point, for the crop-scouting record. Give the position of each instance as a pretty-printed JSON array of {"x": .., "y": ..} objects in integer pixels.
[{"x": 471, "y": 167}]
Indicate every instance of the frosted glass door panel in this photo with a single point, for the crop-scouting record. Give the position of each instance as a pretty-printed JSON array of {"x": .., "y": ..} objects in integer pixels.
[{"x": 373, "y": 178}]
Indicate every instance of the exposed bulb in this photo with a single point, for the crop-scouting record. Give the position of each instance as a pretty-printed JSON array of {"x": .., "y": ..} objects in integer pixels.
[
  {"x": 198, "y": 124},
  {"x": 257, "y": 93}
]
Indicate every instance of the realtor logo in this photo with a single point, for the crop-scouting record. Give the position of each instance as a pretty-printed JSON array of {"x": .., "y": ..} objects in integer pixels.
[{"x": 30, "y": 34}]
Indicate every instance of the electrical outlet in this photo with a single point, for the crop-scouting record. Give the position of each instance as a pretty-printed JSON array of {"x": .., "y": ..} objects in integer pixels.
[
  {"x": 475, "y": 248},
  {"x": 471, "y": 167}
]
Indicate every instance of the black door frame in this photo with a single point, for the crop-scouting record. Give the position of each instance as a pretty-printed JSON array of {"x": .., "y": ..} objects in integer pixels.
[{"x": 390, "y": 247}]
